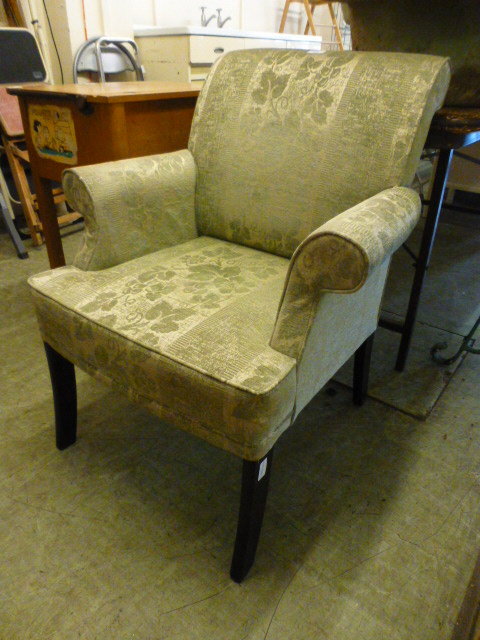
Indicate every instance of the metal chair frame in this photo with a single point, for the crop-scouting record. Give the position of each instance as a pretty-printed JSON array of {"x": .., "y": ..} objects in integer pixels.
[{"x": 119, "y": 46}]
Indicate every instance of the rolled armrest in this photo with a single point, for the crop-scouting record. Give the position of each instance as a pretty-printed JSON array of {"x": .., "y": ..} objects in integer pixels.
[
  {"x": 339, "y": 257},
  {"x": 132, "y": 207}
]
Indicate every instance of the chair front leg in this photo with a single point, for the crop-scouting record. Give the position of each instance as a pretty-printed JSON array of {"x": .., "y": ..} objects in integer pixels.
[
  {"x": 253, "y": 498},
  {"x": 361, "y": 370},
  {"x": 62, "y": 375}
]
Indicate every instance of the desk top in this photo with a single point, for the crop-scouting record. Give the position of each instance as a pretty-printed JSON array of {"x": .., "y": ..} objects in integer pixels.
[
  {"x": 454, "y": 128},
  {"x": 112, "y": 91}
]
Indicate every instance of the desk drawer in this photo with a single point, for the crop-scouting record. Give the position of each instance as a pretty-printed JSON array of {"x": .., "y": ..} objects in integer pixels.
[{"x": 206, "y": 49}]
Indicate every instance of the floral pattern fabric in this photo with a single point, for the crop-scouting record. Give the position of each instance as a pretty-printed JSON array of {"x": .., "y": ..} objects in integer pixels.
[
  {"x": 203, "y": 311},
  {"x": 208, "y": 304},
  {"x": 338, "y": 258},
  {"x": 286, "y": 140},
  {"x": 211, "y": 283},
  {"x": 133, "y": 207}
]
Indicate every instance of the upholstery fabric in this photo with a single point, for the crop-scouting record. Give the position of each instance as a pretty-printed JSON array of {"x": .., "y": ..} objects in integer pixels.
[
  {"x": 338, "y": 257},
  {"x": 191, "y": 321},
  {"x": 340, "y": 324},
  {"x": 348, "y": 254},
  {"x": 222, "y": 286},
  {"x": 284, "y": 141},
  {"x": 132, "y": 208}
]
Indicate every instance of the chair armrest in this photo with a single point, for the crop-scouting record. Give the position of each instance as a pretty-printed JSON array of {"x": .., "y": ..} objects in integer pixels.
[
  {"x": 339, "y": 257},
  {"x": 132, "y": 207}
]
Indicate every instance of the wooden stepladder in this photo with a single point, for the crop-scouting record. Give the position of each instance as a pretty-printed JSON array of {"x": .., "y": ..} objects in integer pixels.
[{"x": 309, "y": 6}]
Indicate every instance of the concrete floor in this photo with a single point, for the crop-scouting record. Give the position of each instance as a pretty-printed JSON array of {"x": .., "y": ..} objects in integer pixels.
[{"x": 371, "y": 532}]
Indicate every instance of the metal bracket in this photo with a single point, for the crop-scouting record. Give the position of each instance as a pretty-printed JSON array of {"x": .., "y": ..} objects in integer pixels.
[{"x": 466, "y": 346}]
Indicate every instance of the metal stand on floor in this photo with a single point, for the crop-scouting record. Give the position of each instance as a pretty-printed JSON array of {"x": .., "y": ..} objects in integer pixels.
[
  {"x": 466, "y": 347},
  {"x": 8, "y": 221},
  {"x": 451, "y": 129}
]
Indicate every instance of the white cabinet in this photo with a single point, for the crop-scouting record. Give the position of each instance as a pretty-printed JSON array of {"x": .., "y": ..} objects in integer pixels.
[
  {"x": 186, "y": 54},
  {"x": 263, "y": 43},
  {"x": 206, "y": 49}
]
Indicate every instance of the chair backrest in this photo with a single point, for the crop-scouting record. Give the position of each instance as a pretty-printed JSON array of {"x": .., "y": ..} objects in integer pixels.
[
  {"x": 20, "y": 59},
  {"x": 284, "y": 141},
  {"x": 106, "y": 56},
  {"x": 20, "y": 62}
]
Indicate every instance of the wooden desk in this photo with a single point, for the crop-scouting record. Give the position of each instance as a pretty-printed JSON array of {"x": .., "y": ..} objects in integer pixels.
[{"x": 81, "y": 124}]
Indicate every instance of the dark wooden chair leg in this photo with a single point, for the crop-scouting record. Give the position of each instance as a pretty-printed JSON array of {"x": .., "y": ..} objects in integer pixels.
[
  {"x": 361, "y": 369},
  {"x": 62, "y": 375},
  {"x": 255, "y": 479}
]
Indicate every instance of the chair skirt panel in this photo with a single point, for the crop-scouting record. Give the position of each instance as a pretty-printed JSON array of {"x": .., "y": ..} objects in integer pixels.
[
  {"x": 284, "y": 141},
  {"x": 351, "y": 320},
  {"x": 184, "y": 331}
]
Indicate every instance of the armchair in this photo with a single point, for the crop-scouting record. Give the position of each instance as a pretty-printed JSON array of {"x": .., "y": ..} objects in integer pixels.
[{"x": 222, "y": 286}]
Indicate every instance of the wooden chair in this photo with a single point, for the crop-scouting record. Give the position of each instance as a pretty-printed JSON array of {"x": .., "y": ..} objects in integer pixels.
[
  {"x": 13, "y": 142},
  {"x": 309, "y": 9}
]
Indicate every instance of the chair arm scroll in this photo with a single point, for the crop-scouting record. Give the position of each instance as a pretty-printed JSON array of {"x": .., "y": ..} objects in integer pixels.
[
  {"x": 339, "y": 257},
  {"x": 132, "y": 207}
]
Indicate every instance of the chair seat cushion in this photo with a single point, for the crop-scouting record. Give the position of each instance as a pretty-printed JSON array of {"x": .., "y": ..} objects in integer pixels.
[{"x": 193, "y": 321}]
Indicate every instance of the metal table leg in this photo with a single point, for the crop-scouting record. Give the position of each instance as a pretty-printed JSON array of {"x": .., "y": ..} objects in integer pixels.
[
  {"x": 431, "y": 222},
  {"x": 421, "y": 265}
]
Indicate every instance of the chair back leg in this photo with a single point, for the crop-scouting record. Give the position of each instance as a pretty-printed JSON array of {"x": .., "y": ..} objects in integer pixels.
[
  {"x": 361, "y": 370},
  {"x": 253, "y": 498}
]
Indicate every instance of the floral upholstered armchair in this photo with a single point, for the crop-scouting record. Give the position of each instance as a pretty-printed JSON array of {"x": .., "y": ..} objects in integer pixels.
[{"x": 222, "y": 286}]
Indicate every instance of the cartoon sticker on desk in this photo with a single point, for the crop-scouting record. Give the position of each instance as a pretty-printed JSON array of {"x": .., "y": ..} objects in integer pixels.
[{"x": 53, "y": 133}]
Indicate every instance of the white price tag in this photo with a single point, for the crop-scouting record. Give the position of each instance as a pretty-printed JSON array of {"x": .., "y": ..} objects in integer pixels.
[{"x": 262, "y": 469}]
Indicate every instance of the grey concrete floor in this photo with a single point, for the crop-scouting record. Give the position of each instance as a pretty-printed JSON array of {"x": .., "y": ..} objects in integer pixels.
[{"x": 371, "y": 532}]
